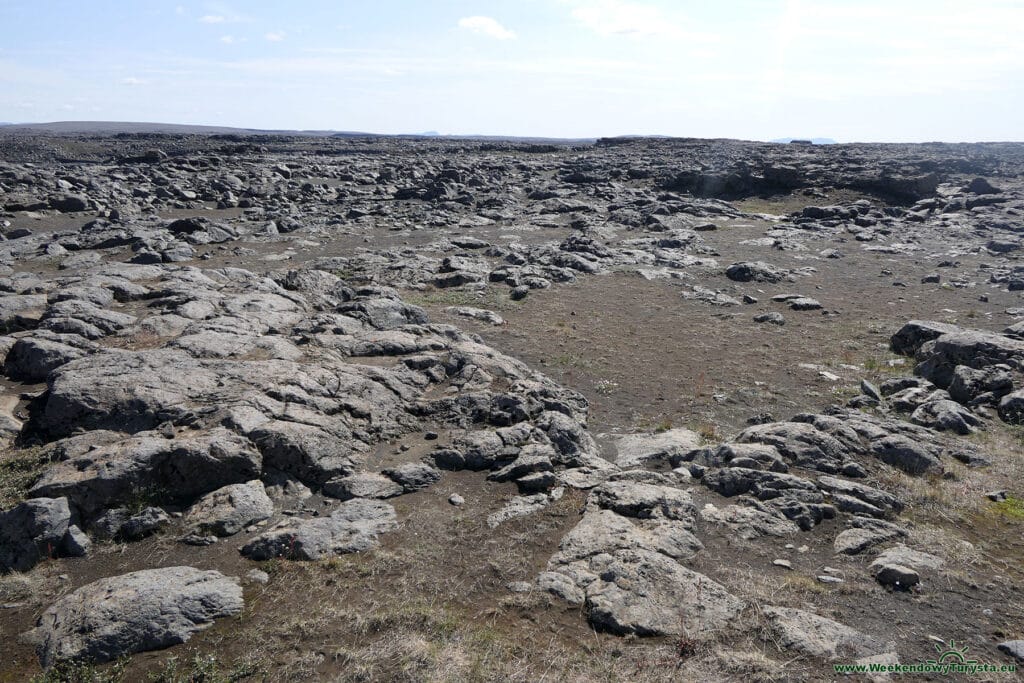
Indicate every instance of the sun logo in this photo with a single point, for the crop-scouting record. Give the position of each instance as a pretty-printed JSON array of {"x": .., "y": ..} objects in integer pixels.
[{"x": 951, "y": 654}]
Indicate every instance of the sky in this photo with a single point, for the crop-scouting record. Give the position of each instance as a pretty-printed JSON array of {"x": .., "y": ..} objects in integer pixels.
[{"x": 857, "y": 70}]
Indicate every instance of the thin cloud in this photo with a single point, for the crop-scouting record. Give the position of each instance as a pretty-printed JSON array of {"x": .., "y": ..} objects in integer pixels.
[
  {"x": 618, "y": 18},
  {"x": 486, "y": 26},
  {"x": 212, "y": 19},
  {"x": 275, "y": 36},
  {"x": 132, "y": 80},
  {"x": 227, "y": 40}
]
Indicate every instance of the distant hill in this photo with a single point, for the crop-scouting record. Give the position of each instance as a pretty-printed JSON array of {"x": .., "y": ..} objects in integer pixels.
[
  {"x": 115, "y": 127},
  {"x": 816, "y": 141}
]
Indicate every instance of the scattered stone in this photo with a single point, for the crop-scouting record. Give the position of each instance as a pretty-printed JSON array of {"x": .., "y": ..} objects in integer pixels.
[
  {"x": 772, "y": 318},
  {"x": 258, "y": 576},
  {"x": 896, "y": 576},
  {"x": 1014, "y": 648},
  {"x": 825, "y": 578}
]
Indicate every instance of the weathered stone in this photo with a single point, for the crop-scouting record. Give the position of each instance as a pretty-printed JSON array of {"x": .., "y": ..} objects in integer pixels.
[
  {"x": 413, "y": 476},
  {"x": 856, "y": 541},
  {"x": 817, "y": 636},
  {"x": 362, "y": 485},
  {"x": 748, "y": 523},
  {"x": 353, "y": 527},
  {"x": 32, "y": 359},
  {"x": 639, "y": 450},
  {"x": 896, "y": 576},
  {"x": 122, "y": 524},
  {"x": 1014, "y": 648},
  {"x": 1011, "y": 407},
  {"x": 643, "y": 501},
  {"x": 648, "y": 594},
  {"x": 144, "y": 610},
  {"x": 35, "y": 530},
  {"x": 905, "y": 454},
  {"x": 229, "y": 509},
  {"x": 112, "y": 474},
  {"x": 943, "y": 415}
]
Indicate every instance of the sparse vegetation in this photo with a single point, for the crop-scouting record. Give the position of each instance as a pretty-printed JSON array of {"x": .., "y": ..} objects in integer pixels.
[
  {"x": 16, "y": 587},
  {"x": 19, "y": 469},
  {"x": 205, "y": 669},
  {"x": 491, "y": 298},
  {"x": 82, "y": 672},
  {"x": 709, "y": 433}
]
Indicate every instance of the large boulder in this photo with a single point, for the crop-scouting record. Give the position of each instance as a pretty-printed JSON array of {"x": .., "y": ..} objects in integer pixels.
[
  {"x": 755, "y": 271},
  {"x": 144, "y": 610},
  {"x": 804, "y": 444},
  {"x": 180, "y": 469},
  {"x": 21, "y": 311},
  {"x": 906, "y": 454},
  {"x": 939, "y": 358},
  {"x": 33, "y": 359},
  {"x": 969, "y": 384},
  {"x": 945, "y": 415},
  {"x": 1011, "y": 407},
  {"x": 35, "y": 530},
  {"x": 127, "y": 391},
  {"x": 915, "y": 333},
  {"x": 648, "y": 594}
]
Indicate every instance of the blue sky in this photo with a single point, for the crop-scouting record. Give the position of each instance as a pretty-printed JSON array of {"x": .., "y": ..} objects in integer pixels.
[{"x": 889, "y": 70}]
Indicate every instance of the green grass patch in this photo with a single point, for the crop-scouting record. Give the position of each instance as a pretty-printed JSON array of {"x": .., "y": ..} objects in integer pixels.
[{"x": 1012, "y": 508}]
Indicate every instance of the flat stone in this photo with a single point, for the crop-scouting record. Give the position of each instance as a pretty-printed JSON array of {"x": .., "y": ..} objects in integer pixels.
[{"x": 818, "y": 636}]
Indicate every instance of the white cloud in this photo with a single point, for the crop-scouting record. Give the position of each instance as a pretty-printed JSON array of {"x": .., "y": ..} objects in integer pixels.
[
  {"x": 618, "y": 18},
  {"x": 275, "y": 36},
  {"x": 486, "y": 26},
  {"x": 227, "y": 40},
  {"x": 212, "y": 19},
  {"x": 132, "y": 80}
]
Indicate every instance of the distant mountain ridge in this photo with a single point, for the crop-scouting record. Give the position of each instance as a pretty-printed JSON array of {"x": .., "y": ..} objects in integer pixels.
[{"x": 814, "y": 141}]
